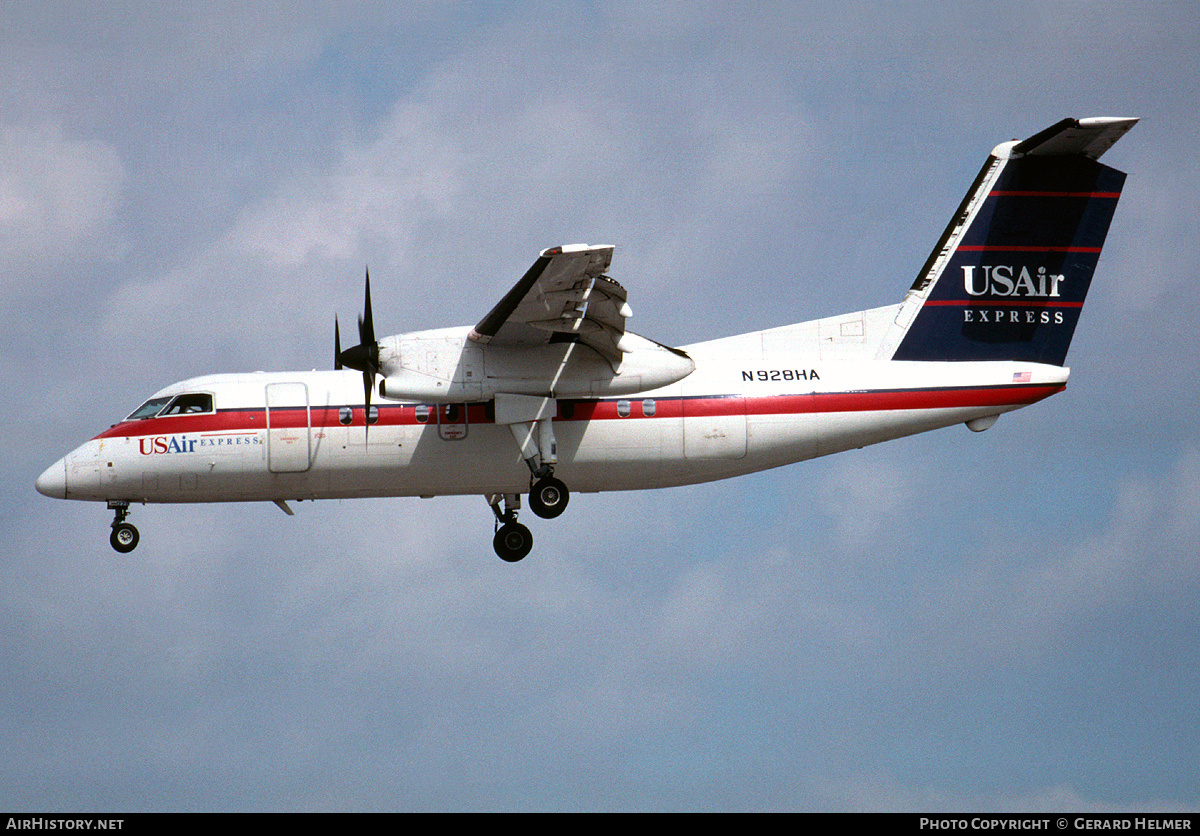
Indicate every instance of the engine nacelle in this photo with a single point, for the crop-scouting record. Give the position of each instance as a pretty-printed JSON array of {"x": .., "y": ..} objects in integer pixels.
[{"x": 440, "y": 367}]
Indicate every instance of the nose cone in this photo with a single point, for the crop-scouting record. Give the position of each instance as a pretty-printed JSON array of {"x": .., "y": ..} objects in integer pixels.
[{"x": 53, "y": 482}]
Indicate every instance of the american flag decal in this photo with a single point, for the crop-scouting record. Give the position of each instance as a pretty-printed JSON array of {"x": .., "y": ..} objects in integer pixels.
[{"x": 1020, "y": 377}]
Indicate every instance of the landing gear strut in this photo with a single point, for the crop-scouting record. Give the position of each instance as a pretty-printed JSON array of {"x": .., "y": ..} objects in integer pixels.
[
  {"x": 547, "y": 496},
  {"x": 124, "y": 536},
  {"x": 531, "y": 420},
  {"x": 513, "y": 540}
]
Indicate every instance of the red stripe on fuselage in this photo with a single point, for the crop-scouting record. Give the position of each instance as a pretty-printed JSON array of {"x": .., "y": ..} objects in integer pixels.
[
  {"x": 897, "y": 399},
  {"x": 247, "y": 421}
]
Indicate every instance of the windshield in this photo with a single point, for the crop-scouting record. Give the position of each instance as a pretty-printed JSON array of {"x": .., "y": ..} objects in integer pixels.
[{"x": 149, "y": 409}]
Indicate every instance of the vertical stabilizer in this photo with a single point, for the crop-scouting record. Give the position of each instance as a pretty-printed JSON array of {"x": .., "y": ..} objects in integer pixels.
[{"x": 1010, "y": 274}]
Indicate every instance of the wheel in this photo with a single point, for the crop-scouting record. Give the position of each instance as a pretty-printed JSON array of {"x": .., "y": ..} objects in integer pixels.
[
  {"x": 512, "y": 542},
  {"x": 548, "y": 498},
  {"x": 124, "y": 537}
]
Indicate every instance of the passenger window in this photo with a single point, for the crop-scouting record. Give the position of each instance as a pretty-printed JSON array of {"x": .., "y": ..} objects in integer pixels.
[
  {"x": 345, "y": 415},
  {"x": 623, "y": 409},
  {"x": 649, "y": 408}
]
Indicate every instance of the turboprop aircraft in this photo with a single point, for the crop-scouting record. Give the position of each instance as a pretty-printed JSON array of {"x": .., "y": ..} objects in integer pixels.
[{"x": 549, "y": 389}]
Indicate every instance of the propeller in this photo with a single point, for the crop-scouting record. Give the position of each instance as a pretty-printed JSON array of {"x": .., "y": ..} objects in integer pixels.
[{"x": 363, "y": 357}]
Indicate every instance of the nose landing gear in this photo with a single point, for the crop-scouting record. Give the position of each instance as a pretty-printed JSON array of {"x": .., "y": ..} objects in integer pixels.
[
  {"x": 124, "y": 536},
  {"x": 512, "y": 541}
]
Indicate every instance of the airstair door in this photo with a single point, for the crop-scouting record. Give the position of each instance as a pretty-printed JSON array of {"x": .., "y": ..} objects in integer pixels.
[{"x": 289, "y": 439}]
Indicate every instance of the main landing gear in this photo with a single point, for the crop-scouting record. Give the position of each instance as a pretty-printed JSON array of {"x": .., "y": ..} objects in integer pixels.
[
  {"x": 531, "y": 421},
  {"x": 548, "y": 498},
  {"x": 124, "y": 536}
]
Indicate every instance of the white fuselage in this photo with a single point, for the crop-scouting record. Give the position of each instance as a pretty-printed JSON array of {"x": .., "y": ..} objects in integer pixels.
[
  {"x": 550, "y": 392},
  {"x": 754, "y": 401}
]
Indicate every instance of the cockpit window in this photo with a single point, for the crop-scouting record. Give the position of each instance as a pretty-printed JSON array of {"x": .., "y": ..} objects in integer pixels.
[
  {"x": 149, "y": 409},
  {"x": 190, "y": 404}
]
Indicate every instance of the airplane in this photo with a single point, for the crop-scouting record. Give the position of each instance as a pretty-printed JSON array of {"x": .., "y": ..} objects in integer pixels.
[{"x": 549, "y": 389}]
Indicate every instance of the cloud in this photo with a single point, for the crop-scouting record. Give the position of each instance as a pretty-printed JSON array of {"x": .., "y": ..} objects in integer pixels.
[
  {"x": 59, "y": 198},
  {"x": 451, "y": 193},
  {"x": 866, "y": 501},
  {"x": 1017, "y": 594}
]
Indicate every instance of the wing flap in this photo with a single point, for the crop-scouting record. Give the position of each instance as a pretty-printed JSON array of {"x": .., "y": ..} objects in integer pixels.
[{"x": 564, "y": 294}]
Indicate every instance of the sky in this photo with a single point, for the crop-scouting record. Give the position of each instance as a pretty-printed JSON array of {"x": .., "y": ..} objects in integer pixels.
[{"x": 1002, "y": 621}]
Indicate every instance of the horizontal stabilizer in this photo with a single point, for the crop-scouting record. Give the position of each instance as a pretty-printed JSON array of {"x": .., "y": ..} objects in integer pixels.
[{"x": 1087, "y": 137}]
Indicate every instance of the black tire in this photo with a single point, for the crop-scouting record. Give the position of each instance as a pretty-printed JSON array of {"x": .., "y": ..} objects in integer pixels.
[
  {"x": 124, "y": 538},
  {"x": 548, "y": 498},
  {"x": 512, "y": 542}
]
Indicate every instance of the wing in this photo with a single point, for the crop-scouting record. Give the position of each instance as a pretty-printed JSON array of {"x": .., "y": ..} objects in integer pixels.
[{"x": 564, "y": 296}]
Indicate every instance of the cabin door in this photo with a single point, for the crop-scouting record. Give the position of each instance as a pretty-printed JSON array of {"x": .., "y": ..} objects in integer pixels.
[{"x": 289, "y": 439}]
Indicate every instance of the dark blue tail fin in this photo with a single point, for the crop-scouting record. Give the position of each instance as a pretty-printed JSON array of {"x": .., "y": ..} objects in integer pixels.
[{"x": 1009, "y": 277}]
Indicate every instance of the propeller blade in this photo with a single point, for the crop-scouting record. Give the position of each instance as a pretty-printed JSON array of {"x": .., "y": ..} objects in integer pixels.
[
  {"x": 363, "y": 357},
  {"x": 337, "y": 346},
  {"x": 366, "y": 322}
]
